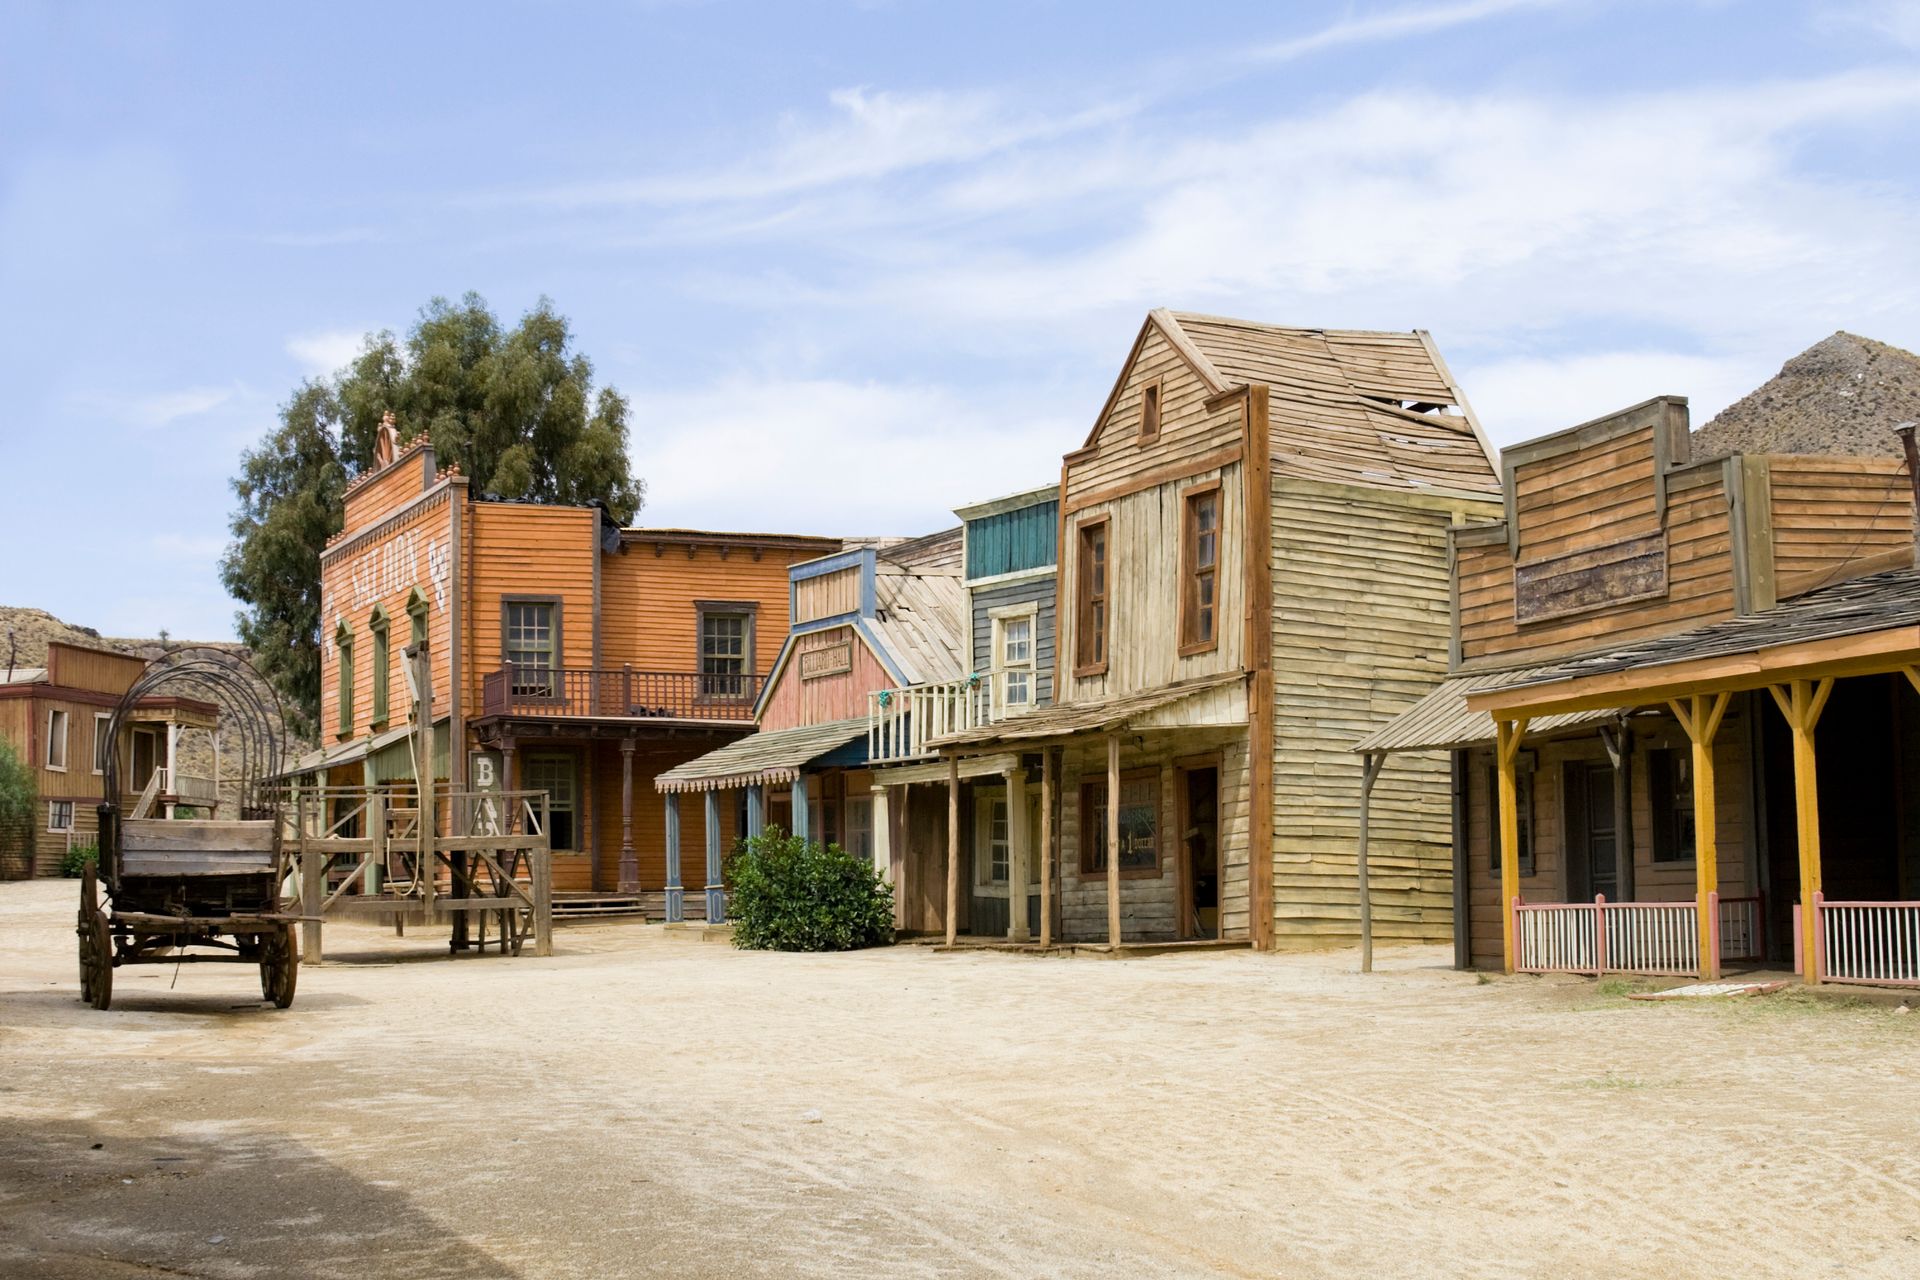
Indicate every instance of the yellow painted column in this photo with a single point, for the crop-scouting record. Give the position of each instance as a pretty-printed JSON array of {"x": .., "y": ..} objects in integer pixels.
[
  {"x": 1506, "y": 752},
  {"x": 1700, "y": 717},
  {"x": 1801, "y": 702}
]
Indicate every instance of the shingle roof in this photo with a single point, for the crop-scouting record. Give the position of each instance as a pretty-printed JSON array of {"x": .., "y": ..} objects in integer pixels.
[
  {"x": 1341, "y": 403},
  {"x": 774, "y": 756}
]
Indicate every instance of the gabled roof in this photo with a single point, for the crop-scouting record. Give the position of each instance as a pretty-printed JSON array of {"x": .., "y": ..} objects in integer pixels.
[
  {"x": 921, "y": 620},
  {"x": 1367, "y": 407}
]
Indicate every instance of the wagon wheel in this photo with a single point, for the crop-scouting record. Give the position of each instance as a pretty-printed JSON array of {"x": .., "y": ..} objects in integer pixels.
[
  {"x": 279, "y": 966},
  {"x": 96, "y": 944}
]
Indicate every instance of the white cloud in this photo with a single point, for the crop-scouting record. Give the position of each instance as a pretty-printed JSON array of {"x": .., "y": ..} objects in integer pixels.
[
  {"x": 831, "y": 456},
  {"x": 1521, "y": 398},
  {"x": 1393, "y": 24},
  {"x": 325, "y": 351},
  {"x": 153, "y": 409}
]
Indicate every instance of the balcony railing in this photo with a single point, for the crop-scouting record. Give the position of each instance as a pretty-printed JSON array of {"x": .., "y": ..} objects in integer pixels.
[
  {"x": 901, "y": 721},
  {"x": 619, "y": 692}
]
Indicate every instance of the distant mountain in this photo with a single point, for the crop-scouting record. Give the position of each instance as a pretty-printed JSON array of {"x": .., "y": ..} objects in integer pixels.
[{"x": 1842, "y": 395}]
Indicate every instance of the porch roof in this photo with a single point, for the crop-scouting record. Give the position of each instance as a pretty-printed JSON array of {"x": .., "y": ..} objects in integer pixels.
[
  {"x": 1864, "y": 625},
  {"x": 1442, "y": 720},
  {"x": 343, "y": 753},
  {"x": 1068, "y": 719},
  {"x": 774, "y": 756}
]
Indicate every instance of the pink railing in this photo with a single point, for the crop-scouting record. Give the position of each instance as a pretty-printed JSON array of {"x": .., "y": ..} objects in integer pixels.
[
  {"x": 1606, "y": 937},
  {"x": 1867, "y": 942},
  {"x": 618, "y": 691},
  {"x": 1743, "y": 923}
]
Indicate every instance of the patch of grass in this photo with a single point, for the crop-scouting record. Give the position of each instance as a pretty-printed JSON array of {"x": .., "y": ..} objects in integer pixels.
[
  {"x": 1618, "y": 988},
  {"x": 1483, "y": 979}
]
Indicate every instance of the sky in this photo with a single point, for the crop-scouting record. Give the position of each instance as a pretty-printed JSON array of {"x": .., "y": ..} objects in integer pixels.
[{"x": 855, "y": 264}]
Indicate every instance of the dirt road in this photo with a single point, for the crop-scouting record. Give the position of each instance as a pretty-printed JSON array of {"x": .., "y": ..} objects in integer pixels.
[{"x": 638, "y": 1106}]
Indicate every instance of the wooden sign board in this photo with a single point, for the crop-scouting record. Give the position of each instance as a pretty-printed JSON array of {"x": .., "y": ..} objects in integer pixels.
[
  {"x": 1591, "y": 578},
  {"x": 835, "y": 659}
]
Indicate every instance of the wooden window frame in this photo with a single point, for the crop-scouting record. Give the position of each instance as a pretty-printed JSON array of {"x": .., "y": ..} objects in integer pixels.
[
  {"x": 380, "y": 631},
  {"x": 749, "y": 638},
  {"x": 72, "y": 817},
  {"x": 577, "y": 804},
  {"x": 1085, "y": 665},
  {"x": 997, "y": 665},
  {"x": 417, "y": 611},
  {"x": 984, "y": 885},
  {"x": 63, "y": 737},
  {"x": 1153, "y": 407},
  {"x": 343, "y": 673},
  {"x": 1097, "y": 782},
  {"x": 557, "y": 692},
  {"x": 1189, "y": 610},
  {"x": 101, "y": 721}
]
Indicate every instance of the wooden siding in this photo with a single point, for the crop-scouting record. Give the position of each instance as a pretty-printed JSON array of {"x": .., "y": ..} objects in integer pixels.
[
  {"x": 416, "y": 552},
  {"x": 1360, "y": 628},
  {"x": 74, "y": 667},
  {"x": 650, "y": 818},
  {"x": 1827, "y": 511},
  {"x": 797, "y": 701},
  {"x": 647, "y": 613},
  {"x": 1189, "y": 430},
  {"x": 827, "y": 596},
  {"x": 378, "y": 495},
  {"x": 525, "y": 549},
  {"x": 1700, "y": 570},
  {"x": 1148, "y": 905},
  {"x": 1653, "y": 881},
  {"x": 1143, "y": 591},
  {"x": 1039, "y": 592},
  {"x": 23, "y": 724},
  {"x": 1011, "y": 541},
  {"x": 1587, "y": 498}
]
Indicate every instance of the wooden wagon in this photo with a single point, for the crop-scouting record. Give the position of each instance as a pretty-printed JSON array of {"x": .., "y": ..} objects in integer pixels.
[{"x": 192, "y": 890}]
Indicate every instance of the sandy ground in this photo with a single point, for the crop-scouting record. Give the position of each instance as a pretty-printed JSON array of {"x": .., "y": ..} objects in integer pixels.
[{"x": 639, "y": 1105}]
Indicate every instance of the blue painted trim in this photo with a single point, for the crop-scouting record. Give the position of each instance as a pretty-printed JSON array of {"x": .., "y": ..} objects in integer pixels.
[
  {"x": 869, "y": 583},
  {"x": 716, "y": 906},
  {"x": 756, "y": 809},
  {"x": 676, "y": 907},
  {"x": 880, "y": 651},
  {"x": 802, "y": 810},
  {"x": 830, "y": 564}
]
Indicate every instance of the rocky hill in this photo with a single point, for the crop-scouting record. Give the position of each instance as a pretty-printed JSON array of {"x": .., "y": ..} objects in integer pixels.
[{"x": 1842, "y": 395}]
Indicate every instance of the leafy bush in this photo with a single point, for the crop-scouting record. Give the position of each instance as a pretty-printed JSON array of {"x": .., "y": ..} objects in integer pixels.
[
  {"x": 16, "y": 787},
  {"x": 786, "y": 894},
  {"x": 76, "y": 860}
]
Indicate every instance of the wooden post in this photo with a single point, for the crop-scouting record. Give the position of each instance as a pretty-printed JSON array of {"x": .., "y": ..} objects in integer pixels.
[
  {"x": 1700, "y": 716},
  {"x": 1258, "y": 556},
  {"x": 1507, "y": 738},
  {"x": 1370, "y": 765},
  {"x": 801, "y": 817},
  {"x": 676, "y": 893},
  {"x": 313, "y": 886},
  {"x": 629, "y": 860},
  {"x": 1048, "y": 785},
  {"x": 1017, "y": 854},
  {"x": 1618, "y": 740},
  {"x": 953, "y": 849},
  {"x": 376, "y": 842},
  {"x": 1801, "y": 702},
  {"x": 716, "y": 888},
  {"x": 1113, "y": 841},
  {"x": 756, "y": 809},
  {"x": 542, "y": 902}
]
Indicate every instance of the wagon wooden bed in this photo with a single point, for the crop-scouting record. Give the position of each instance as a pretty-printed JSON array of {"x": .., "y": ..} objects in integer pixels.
[{"x": 187, "y": 891}]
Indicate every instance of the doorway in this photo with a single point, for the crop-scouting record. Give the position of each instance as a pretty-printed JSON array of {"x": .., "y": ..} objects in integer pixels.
[
  {"x": 1593, "y": 865},
  {"x": 1199, "y": 791}
]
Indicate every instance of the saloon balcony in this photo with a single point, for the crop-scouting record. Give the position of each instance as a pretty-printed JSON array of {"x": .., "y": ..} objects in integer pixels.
[
  {"x": 900, "y": 722},
  {"x": 620, "y": 695}
]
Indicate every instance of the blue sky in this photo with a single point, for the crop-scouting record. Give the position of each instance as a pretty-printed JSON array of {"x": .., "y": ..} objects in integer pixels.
[{"x": 858, "y": 263}]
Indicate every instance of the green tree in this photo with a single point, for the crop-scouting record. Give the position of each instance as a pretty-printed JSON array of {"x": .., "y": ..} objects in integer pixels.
[
  {"x": 16, "y": 797},
  {"x": 515, "y": 408}
]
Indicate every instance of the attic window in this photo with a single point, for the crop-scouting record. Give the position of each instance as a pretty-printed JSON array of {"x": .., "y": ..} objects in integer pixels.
[{"x": 1150, "y": 410}]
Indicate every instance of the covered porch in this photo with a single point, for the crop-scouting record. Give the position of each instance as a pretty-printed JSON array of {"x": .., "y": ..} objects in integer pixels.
[
  {"x": 1796, "y": 736},
  {"x": 1138, "y": 835}
]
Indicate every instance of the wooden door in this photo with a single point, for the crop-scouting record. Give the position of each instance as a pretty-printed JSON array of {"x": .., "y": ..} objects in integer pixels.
[{"x": 1592, "y": 859}]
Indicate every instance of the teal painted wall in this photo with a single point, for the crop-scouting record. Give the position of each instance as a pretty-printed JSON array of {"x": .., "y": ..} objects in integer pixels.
[{"x": 1013, "y": 540}]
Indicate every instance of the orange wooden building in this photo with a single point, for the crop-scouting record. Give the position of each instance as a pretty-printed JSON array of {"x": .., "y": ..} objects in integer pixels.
[{"x": 567, "y": 655}]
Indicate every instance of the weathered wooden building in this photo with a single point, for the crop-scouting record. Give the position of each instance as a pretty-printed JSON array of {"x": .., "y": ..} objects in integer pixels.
[
  {"x": 1252, "y": 564},
  {"x": 56, "y": 718},
  {"x": 568, "y": 655},
  {"x": 877, "y": 651},
  {"x": 1682, "y": 702}
]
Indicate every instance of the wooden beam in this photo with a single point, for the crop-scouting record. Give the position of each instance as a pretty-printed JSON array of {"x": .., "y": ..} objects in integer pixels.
[
  {"x": 1801, "y": 702},
  {"x": 1048, "y": 786},
  {"x": 1113, "y": 841},
  {"x": 953, "y": 849},
  {"x": 1507, "y": 738},
  {"x": 1369, "y": 771},
  {"x": 1258, "y": 646},
  {"x": 629, "y": 860},
  {"x": 1018, "y": 853},
  {"x": 1700, "y": 716},
  {"x": 676, "y": 892}
]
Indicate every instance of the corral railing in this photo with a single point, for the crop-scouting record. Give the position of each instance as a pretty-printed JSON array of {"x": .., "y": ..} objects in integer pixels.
[
  {"x": 901, "y": 721},
  {"x": 1867, "y": 942},
  {"x": 1661, "y": 938},
  {"x": 618, "y": 691}
]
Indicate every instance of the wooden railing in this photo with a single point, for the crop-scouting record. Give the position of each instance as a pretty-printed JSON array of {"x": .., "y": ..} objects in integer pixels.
[
  {"x": 618, "y": 692},
  {"x": 1867, "y": 942},
  {"x": 1606, "y": 937},
  {"x": 901, "y": 721},
  {"x": 187, "y": 786}
]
